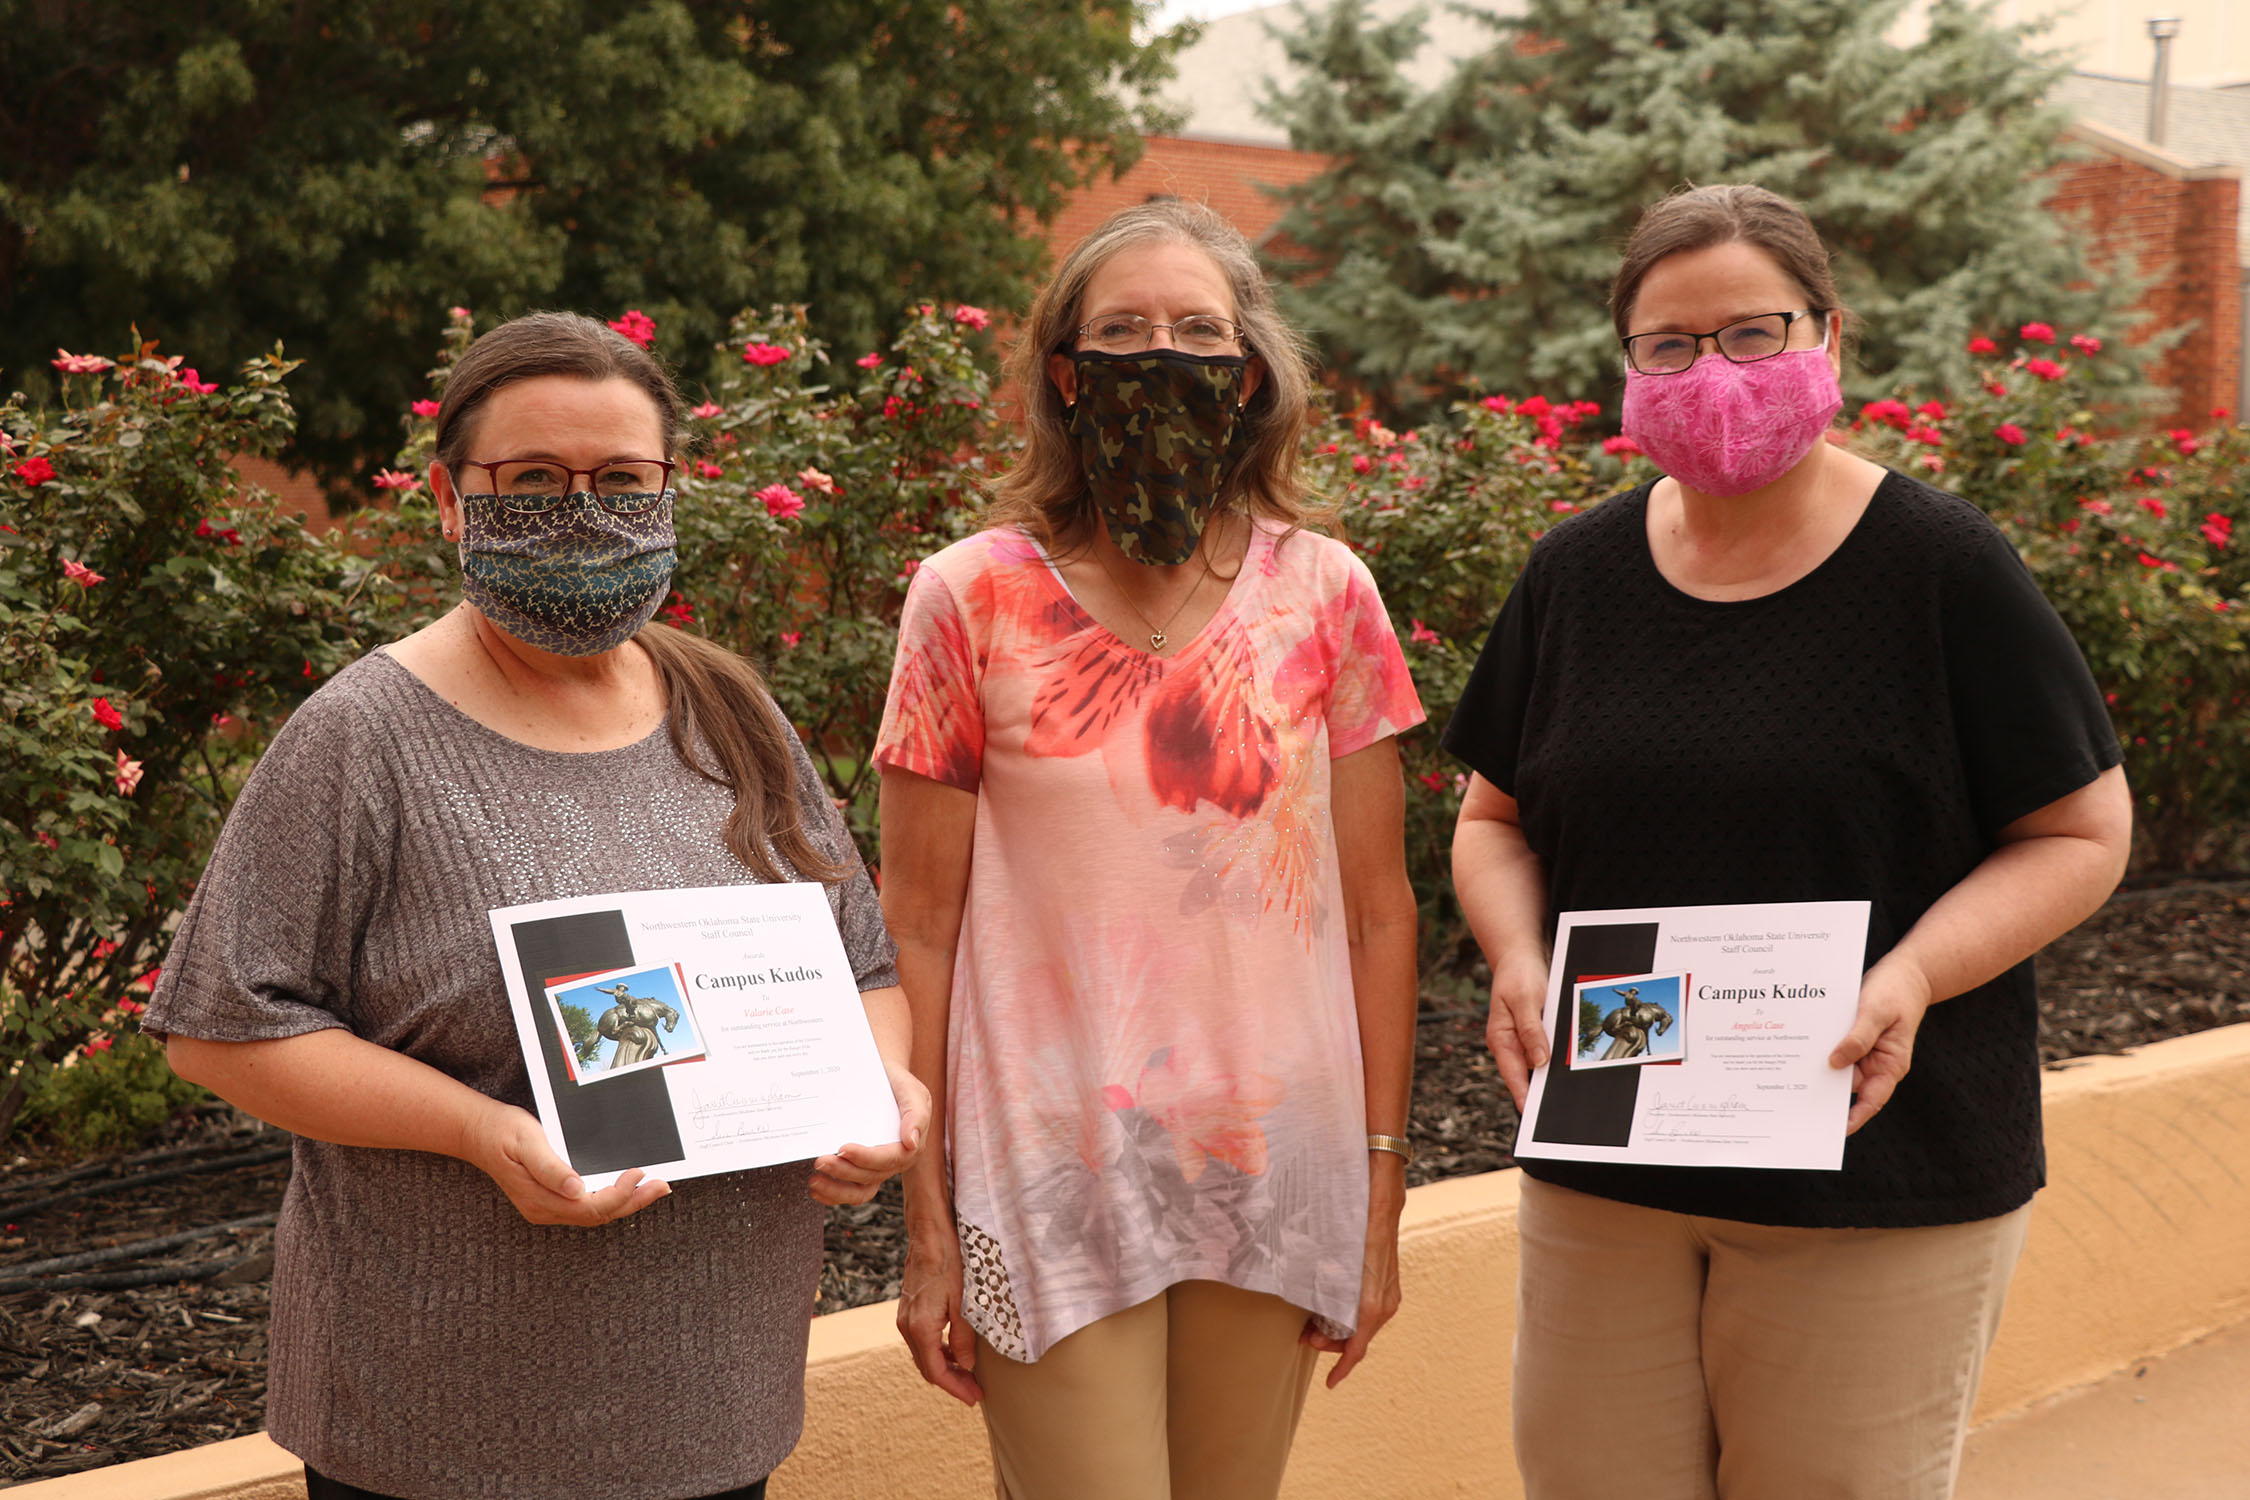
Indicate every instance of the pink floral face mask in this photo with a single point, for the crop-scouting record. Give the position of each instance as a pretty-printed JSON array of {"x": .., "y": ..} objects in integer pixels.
[{"x": 1727, "y": 429}]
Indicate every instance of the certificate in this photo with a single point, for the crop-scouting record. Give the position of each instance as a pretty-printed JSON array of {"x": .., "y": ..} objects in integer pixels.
[
  {"x": 692, "y": 1031},
  {"x": 1698, "y": 1036}
]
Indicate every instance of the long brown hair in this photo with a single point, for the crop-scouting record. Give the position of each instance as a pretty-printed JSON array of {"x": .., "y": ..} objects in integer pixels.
[
  {"x": 713, "y": 697},
  {"x": 1696, "y": 218},
  {"x": 1045, "y": 492}
]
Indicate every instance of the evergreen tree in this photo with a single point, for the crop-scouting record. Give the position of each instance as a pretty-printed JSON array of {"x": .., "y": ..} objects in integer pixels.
[
  {"x": 336, "y": 173},
  {"x": 1466, "y": 234}
]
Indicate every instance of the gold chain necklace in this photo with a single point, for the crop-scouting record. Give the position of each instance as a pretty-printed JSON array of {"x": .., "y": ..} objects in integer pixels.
[{"x": 1156, "y": 635}]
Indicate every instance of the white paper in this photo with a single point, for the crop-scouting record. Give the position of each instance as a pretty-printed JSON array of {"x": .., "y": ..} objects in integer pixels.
[
  {"x": 1710, "y": 1051},
  {"x": 738, "y": 1001}
]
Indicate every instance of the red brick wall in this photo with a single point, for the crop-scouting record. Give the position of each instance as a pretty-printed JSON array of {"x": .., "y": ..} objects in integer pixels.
[
  {"x": 1224, "y": 177},
  {"x": 2184, "y": 235},
  {"x": 293, "y": 489}
]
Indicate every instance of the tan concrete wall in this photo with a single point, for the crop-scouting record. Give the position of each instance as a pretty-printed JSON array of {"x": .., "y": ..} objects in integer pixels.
[{"x": 2136, "y": 1248}]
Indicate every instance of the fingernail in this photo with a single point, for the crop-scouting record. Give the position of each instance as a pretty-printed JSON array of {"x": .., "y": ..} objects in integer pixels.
[
  {"x": 664, "y": 1190},
  {"x": 574, "y": 1187}
]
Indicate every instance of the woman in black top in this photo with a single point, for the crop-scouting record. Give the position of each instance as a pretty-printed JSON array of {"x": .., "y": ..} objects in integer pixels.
[{"x": 1781, "y": 673}]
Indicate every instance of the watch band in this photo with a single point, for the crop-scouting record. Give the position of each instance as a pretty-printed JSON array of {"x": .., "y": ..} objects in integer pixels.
[{"x": 1397, "y": 1145}]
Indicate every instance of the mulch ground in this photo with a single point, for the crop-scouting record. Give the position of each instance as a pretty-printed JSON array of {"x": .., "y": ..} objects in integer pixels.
[{"x": 133, "y": 1289}]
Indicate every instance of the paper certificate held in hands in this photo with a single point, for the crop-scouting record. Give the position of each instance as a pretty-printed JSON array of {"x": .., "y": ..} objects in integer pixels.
[
  {"x": 1698, "y": 1036},
  {"x": 692, "y": 1031}
]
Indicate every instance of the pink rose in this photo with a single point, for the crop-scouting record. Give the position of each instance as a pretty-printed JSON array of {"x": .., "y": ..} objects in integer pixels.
[
  {"x": 2085, "y": 343},
  {"x": 972, "y": 317},
  {"x": 79, "y": 364},
  {"x": 196, "y": 383},
  {"x": 396, "y": 479},
  {"x": 424, "y": 409},
  {"x": 637, "y": 326},
  {"x": 1620, "y": 446},
  {"x": 2037, "y": 333},
  {"x": 1982, "y": 345},
  {"x": 2216, "y": 529},
  {"x": 1422, "y": 635},
  {"x": 35, "y": 471},
  {"x": 763, "y": 354},
  {"x": 781, "y": 502},
  {"x": 708, "y": 469},
  {"x": 128, "y": 775},
  {"x": 2009, "y": 433},
  {"x": 813, "y": 479},
  {"x": 868, "y": 361},
  {"x": 2045, "y": 369},
  {"x": 708, "y": 410},
  {"x": 791, "y": 638},
  {"x": 80, "y": 574}
]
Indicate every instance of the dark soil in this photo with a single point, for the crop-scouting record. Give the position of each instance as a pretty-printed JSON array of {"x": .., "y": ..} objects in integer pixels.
[{"x": 164, "y": 1348}]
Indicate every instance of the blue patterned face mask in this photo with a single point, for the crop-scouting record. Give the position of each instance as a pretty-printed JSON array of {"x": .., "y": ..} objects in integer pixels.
[{"x": 576, "y": 580}]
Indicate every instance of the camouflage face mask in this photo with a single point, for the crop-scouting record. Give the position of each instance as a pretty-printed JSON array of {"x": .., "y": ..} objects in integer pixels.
[
  {"x": 1158, "y": 434},
  {"x": 576, "y": 580}
]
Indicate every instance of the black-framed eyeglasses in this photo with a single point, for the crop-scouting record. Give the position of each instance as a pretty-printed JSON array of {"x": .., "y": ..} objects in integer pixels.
[
  {"x": 1130, "y": 333},
  {"x": 528, "y": 486},
  {"x": 1743, "y": 342}
]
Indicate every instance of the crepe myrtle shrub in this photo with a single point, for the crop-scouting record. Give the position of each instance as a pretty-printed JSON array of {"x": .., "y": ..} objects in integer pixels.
[
  {"x": 157, "y": 620},
  {"x": 2138, "y": 538}
]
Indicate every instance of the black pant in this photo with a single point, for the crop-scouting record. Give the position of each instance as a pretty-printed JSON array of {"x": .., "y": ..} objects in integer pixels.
[{"x": 319, "y": 1486}]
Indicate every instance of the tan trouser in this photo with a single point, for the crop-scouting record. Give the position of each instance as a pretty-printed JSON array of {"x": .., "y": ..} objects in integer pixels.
[
  {"x": 1661, "y": 1354},
  {"x": 1191, "y": 1395}
]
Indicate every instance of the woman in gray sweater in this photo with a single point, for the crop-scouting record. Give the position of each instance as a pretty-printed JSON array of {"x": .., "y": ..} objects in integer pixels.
[{"x": 439, "y": 1271}]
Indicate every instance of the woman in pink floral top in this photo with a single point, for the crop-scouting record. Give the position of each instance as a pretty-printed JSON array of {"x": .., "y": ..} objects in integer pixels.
[{"x": 1143, "y": 857}]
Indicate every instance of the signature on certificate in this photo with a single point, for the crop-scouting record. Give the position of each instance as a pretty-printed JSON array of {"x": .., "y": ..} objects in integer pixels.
[{"x": 738, "y": 1114}]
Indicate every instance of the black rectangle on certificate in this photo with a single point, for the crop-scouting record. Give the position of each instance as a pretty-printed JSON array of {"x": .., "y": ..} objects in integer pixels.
[
  {"x": 627, "y": 1122},
  {"x": 1592, "y": 1107}
]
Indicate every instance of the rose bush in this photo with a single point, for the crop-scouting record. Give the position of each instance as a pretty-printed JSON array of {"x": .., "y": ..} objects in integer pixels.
[
  {"x": 2132, "y": 534},
  {"x": 155, "y": 622}
]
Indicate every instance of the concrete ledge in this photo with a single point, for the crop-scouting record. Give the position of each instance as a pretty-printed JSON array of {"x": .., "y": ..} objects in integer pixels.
[
  {"x": 249, "y": 1468},
  {"x": 2136, "y": 1249}
]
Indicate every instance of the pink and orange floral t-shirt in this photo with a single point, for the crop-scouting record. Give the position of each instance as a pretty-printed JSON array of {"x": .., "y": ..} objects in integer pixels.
[{"x": 1154, "y": 1067}]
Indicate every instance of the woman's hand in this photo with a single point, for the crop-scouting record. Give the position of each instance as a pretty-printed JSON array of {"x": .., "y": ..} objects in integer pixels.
[
  {"x": 853, "y": 1173},
  {"x": 508, "y": 1146},
  {"x": 1515, "y": 1030},
  {"x": 1879, "y": 1049},
  {"x": 1378, "y": 1275},
  {"x": 929, "y": 1315}
]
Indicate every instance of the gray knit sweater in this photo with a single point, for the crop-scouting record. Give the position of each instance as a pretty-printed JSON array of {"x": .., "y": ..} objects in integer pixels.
[{"x": 426, "y": 1341}]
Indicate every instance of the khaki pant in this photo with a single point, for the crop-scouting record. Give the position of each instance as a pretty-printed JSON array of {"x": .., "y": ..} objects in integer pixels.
[
  {"x": 1660, "y": 1354},
  {"x": 1191, "y": 1395}
]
